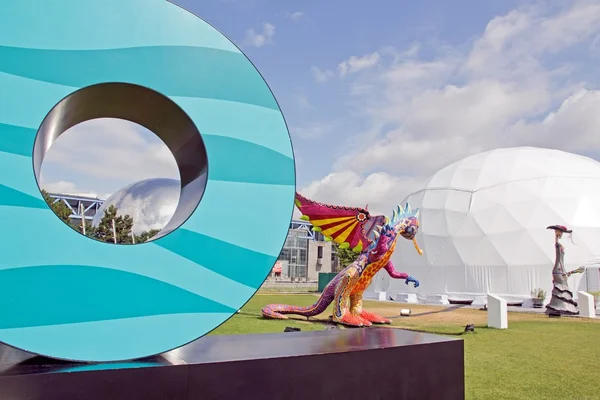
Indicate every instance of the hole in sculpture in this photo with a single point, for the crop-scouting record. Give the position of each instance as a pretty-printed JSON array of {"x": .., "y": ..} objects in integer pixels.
[
  {"x": 120, "y": 163},
  {"x": 109, "y": 171}
]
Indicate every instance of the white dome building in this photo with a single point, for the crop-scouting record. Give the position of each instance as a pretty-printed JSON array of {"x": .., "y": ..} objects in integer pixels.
[
  {"x": 483, "y": 227},
  {"x": 150, "y": 202}
]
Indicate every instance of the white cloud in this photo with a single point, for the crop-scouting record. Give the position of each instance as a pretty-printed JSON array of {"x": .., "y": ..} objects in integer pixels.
[
  {"x": 259, "y": 39},
  {"x": 321, "y": 75},
  {"x": 383, "y": 190},
  {"x": 106, "y": 155},
  {"x": 70, "y": 188},
  {"x": 512, "y": 87},
  {"x": 303, "y": 102},
  {"x": 297, "y": 16},
  {"x": 355, "y": 64},
  {"x": 311, "y": 130}
]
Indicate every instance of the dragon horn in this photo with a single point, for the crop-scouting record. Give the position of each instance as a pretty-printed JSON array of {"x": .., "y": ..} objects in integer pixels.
[
  {"x": 395, "y": 216},
  {"x": 376, "y": 234},
  {"x": 417, "y": 213},
  {"x": 407, "y": 208},
  {"x": 378, "y": 228},
  {"x": 417, "y": 247}
]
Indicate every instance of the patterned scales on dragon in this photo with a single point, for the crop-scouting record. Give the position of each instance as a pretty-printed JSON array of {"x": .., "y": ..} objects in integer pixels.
[{"x": 374, "y": 237}]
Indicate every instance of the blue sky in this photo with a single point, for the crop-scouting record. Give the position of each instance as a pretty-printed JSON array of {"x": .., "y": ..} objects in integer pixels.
[
  {"x": 380, "y": 95},
  {"x": 321, "y": 35}
]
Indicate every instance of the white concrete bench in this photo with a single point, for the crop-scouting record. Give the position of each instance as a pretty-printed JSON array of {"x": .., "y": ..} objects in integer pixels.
[
  {"x": 586, "y": 304},
  {"x": 497, "y": 312}
]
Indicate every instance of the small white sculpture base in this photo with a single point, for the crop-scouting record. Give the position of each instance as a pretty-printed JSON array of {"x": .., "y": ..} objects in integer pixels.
[
  {"x": 382, "y": 296},
  {"x": 497, "y": 312},
  {"x": 586, "y": 305}
]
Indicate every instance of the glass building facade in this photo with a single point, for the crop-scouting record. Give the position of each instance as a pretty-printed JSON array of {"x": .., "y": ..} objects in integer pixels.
[{"x": 295, "y": 254}]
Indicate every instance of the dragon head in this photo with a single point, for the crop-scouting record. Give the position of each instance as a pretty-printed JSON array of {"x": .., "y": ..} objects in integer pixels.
[{"x": 404, "y": 222}]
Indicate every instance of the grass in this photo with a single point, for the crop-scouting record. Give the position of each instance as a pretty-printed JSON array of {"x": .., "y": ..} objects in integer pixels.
[{"x": 536, "y": 358}]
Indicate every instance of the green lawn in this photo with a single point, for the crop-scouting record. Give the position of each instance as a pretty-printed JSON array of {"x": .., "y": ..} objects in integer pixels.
[{"x": 518, "y": 363}]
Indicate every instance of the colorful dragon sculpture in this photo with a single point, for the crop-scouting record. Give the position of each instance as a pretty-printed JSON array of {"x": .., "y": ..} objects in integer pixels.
[{"x": 374, "y": 237}]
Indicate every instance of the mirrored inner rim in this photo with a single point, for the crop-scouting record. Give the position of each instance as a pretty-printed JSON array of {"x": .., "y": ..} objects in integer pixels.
[{"x": 147, "y": 108}]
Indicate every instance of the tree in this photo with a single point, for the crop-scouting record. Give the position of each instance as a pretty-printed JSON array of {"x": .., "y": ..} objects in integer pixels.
[
  {"x": 58, "y": 207},
  {"x": 90, "y": 231},
  {"x": 123, "y": 226},
  {"x": 146, "y": 235},
  {"x": 346, "y": 256},
  {"x": 104, "y": 230}
]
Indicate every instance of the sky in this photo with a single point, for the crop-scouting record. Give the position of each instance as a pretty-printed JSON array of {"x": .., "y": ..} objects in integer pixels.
[
  {"x": 99, "y": 157},
  {"x": 379, "y": 97}
]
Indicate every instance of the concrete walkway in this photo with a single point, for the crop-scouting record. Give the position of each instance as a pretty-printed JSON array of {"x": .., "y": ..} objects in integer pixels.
[
  {"x": 509, "y": 308},
  {"x": 477, "y": 307}
]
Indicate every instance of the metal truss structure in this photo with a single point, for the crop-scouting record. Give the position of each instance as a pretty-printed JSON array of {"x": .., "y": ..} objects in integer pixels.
[
  {"x": 89, "y": 205},
  {"x": 305, "y": 226}
]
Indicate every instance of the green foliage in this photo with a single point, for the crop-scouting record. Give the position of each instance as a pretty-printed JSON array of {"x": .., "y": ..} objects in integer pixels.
[
  {"x": 146, "y": 235},
  {"x": 538, "y": 294},
  {"x": 90, "y": 231},
  {"x": 123, "y": 228},
  {"x": 60, "y": 209},
  {"x": 104, "y": 230},
  {"x": 346, "y": 256},
  {"x": 123, "y": 225}
]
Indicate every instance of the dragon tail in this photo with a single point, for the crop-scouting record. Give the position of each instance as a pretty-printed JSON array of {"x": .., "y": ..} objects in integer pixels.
[{"x": 279, "y": 311}]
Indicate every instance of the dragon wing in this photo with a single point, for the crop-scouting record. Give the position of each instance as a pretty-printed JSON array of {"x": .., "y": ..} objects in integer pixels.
[{"x": 347, "y": 226}]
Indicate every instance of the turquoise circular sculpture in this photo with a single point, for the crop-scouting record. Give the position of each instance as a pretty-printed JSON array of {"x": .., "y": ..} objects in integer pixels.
[{"x": 66, "y": 296}]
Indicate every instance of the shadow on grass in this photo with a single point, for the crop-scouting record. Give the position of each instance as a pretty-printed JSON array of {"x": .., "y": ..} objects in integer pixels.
[
  {"x": 434, "y": 332},
  {"x": 447, "y": 309},
  {"x": 296, "y": 318}
]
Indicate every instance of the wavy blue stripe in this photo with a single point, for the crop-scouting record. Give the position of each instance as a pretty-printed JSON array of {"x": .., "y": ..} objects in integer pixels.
[
  {"x": 60, "y": 244},
  {"x": 12, "y": 197},
  {"x": 66, "y": 294},
  {"x": 245, "y": 266},
  {"x": 119, "y": 339},
  {"x": 105, "y": 24},
  {"x": 16, "y": 140},
  {"x": 236, "y": 160},
  {"x": 262, "y": 126},
  {"x": 250, "y": 213},
  {"x": 174, "y": 71},
  {"x": 17, "y": 173},
  {"x": 229, "y": 159},
  {"x": 26, "y": 102}
]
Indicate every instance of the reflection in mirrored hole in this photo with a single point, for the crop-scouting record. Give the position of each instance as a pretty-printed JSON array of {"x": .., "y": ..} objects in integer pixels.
[
  {"x": 157, "y": 156},
  {"x": 112, "y": 180}
]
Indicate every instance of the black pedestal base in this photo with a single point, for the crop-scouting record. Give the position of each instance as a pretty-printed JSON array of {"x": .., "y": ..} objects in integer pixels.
[{"x": 372, "y": 363}]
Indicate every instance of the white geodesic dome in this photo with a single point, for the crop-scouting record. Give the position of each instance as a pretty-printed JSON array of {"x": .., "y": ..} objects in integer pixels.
[{"x": 483, "y": 226}]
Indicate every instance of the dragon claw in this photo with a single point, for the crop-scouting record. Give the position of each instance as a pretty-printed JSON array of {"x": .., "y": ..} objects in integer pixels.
[
  {"x": 413, "y": 280},
  {"x": 374, "y": 318},
  {"x": 349, "y": 320}
]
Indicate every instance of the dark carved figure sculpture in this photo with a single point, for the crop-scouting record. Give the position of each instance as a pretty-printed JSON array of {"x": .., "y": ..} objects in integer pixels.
[{"x": 562, "y": 298}]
